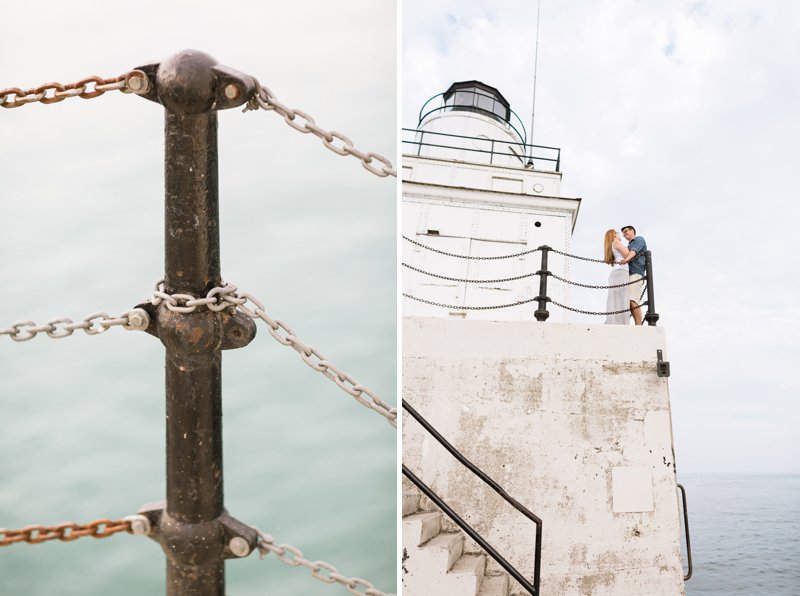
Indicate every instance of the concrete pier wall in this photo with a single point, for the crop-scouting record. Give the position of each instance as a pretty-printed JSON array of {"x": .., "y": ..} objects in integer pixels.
[{"x": 573, "y": 421}]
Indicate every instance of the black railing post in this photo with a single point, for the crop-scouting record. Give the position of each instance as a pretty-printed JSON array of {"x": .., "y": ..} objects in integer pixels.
[
  {"x": 651, "y": 317},
  {"x": 192, "y": 527},
  {"x": 541, "y": 313}
]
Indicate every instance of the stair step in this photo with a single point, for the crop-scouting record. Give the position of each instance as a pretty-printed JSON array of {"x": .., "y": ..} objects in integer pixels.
[
  {"x": 410, "y": 502},
  {"x": 419, "y": 528},
  {"x": 471, "y": 565},
  {"x": 442, "y": 551},
  {"x": 494, "y": 585}
]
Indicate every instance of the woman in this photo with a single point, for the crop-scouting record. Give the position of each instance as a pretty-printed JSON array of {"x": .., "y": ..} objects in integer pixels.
[{"x": 613, "y": 252}]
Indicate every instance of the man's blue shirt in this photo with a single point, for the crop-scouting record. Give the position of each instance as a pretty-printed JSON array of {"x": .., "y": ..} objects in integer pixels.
[{"x": 637, "y": 265}]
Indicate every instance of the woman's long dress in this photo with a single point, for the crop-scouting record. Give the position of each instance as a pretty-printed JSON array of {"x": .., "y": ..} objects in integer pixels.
[{"x": 618, "y": 298}]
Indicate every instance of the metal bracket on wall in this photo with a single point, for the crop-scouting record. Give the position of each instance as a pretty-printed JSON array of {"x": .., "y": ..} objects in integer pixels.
[{"x": 662, "y": 367}]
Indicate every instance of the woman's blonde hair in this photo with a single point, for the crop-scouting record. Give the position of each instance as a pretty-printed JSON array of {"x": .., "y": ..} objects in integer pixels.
[{"x": 608, "y": 254}]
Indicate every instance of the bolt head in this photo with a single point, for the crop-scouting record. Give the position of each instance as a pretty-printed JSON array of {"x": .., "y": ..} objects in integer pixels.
[
  {"x": 140, "y": 525},
  {"x": 239, "y": 546},
  {"x": 231, "y": 91},
  {"x": 138, "y": 82}
]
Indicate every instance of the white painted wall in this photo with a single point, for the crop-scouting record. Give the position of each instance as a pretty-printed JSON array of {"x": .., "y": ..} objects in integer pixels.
[
  {"x": 573, "y": 421},
  {"x": 480, "y": 223}
]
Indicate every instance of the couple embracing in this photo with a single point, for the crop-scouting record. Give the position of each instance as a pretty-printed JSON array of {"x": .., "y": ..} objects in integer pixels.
[{"x": 627, "y": 265}]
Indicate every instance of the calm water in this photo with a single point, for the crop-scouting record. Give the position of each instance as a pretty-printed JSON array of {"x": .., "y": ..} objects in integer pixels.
[
  {"x": 82, "y": 418},
  {"x": 745, "y": 533}
]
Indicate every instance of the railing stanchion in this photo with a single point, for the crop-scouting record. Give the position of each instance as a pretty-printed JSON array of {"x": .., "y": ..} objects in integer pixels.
[
  {"x": 651, "y": 317},
  {"x": 541, "y": 313},
  {"x": 192, "y": 526}
]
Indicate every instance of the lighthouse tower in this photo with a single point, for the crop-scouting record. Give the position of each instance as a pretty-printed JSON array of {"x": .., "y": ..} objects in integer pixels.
[
  {"x": 572, "y": 421},
  {"x": 474, "y": 186}
]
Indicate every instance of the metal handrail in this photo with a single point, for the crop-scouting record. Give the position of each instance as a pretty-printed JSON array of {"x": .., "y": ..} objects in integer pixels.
[
  {"x": 531, "y": 588},
  {"x": 688, "y": 575},
  {"x": 526, "y": 149}
]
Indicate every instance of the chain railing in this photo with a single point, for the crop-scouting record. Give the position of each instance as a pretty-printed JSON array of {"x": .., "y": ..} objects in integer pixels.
[
  {"x": 226, "y": 296},
  {"x": 335, "y": 141},
  {"x": 181, "y": 321},
  {"x": 93, "y": 324},
  {"x": 470, "y": 257},
  {"x": 541, "y": 313},
  {"x": 66, "y": 532},
  {"x": 134, "y": 81},
  {"x": 324, "y": 572}
]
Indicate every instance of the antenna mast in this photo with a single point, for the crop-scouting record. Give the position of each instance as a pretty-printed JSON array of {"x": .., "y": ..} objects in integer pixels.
[{"x": 535, "y": 68}]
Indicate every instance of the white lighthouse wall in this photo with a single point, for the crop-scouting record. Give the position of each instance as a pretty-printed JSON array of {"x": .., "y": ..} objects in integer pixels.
[
  {"x": 573, "y": 421},
  {"x": 490, "y": 141},
  {"x": 479, "y": 223}
]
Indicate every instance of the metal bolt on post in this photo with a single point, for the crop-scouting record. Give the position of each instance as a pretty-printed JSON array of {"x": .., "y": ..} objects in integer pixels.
[
  {"x": 541, "y": 313},
  {"x": 192, "y": 526}
]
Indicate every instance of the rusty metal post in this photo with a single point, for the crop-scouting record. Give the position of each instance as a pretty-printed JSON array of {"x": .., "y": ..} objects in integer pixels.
[{"x": 193, "y": 528}]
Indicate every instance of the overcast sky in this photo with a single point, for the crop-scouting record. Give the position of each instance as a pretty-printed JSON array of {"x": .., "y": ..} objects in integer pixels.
[{"x": 680, "y": 118}]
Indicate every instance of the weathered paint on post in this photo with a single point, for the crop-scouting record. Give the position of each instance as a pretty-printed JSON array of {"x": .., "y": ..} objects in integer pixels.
[{"x": 192, "y": 526}]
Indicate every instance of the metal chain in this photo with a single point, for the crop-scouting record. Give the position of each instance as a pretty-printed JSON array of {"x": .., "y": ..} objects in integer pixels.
[
  {"x": 589, "y": 312},
  {"x": 217, "y": 299},
  {"x": 134, "y": 81},
  {"x": 558, "y": 252},
  {"x": 470, "y": 281},
  {"x": 93, "y": 324},
  {"x": 471, "y": 307},
  {"x": 265, "y": 99},
  {"x": 227, "y": 296},
  {"x": 450, "y": 254},
  {"x": 293, "y": 557},
  {"x": 575, "y": 283},
  {"x": 284, "y": 335},
  {"x": 66, "y": 532}
]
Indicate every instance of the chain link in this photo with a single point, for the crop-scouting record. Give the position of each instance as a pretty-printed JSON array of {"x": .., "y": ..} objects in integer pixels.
[
  {"x": 93, "y": 324},
  {"x": 575, "y": 283},
  {"x": 134, "y": 81},
  {"x": 340, "y": 144},
  {"x": 227, "y": 296},
  {"x": 566, "y": 254},
  {"x": 293, "y": 557},
  {"x": 315, "y": 360},
  {"x": 217, "y": 299},
  {"x": 470, "y": 281},
  {"x": 66, "y": 532},
  {"x": 589, "y": 312},
  {"x": 451, "y": 306},
  {"x": 451, "y": 254}
]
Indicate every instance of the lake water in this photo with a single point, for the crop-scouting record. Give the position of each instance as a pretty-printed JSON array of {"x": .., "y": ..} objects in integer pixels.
[
  {"x": 310, "y": 233},
  {"x": 745, "y": 534}
]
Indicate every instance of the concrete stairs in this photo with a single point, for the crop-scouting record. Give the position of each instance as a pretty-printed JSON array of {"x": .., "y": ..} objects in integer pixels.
[{"x": 434, "y": 561}]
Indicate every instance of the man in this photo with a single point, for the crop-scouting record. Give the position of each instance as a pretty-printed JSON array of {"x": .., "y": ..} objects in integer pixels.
[{"x": 636, "y": 270}]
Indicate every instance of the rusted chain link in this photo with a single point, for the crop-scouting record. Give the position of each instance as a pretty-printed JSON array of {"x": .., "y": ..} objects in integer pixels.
[
  {"x": 325, "y": 572},
  {"x": 227, "y": 296},
  {"x": 93, "y": 324},
  {"x": 589, "y": 312},
  {"x": 471, "y": 307},
  {"x": 66, "y": 532},
  {"x": 265, "y": 99},
  {"x": 134, "y": 81},
  {"x": 470, "y": 281},
  {"x": 451, "y": 254}
]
